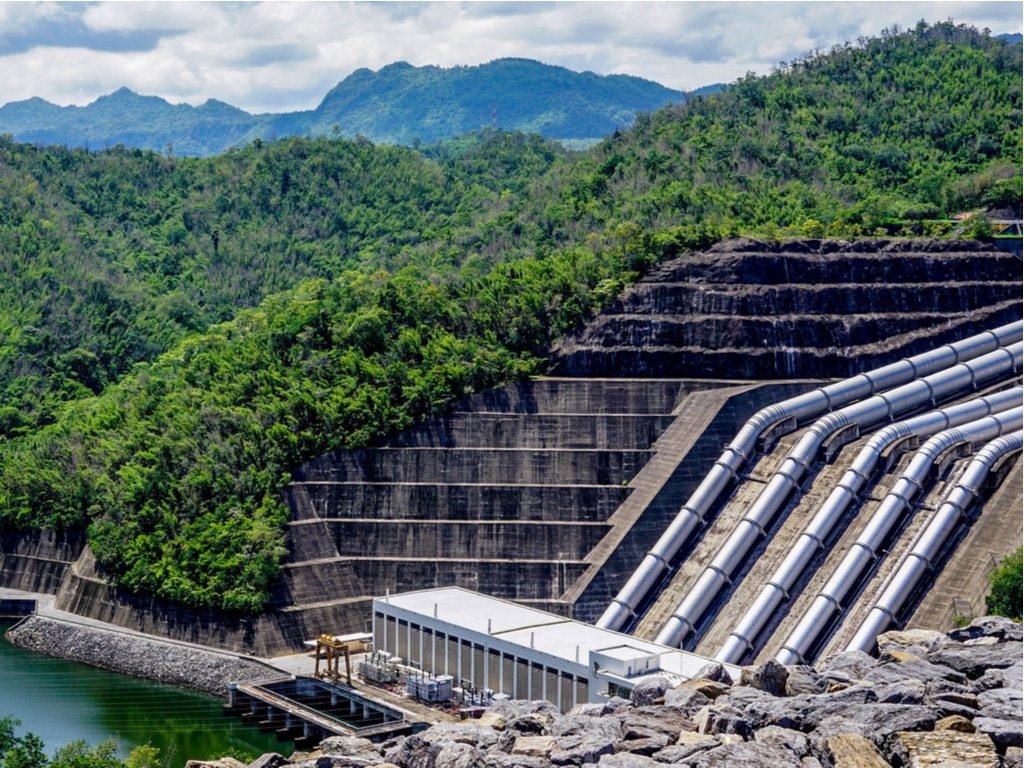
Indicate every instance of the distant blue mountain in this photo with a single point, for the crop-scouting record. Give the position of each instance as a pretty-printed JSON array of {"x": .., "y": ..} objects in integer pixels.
[{"x": 400, "y": 104}]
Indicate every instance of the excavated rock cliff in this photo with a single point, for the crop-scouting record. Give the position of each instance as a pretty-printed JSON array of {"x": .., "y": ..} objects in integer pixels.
[{"x": 816, "y": 308}]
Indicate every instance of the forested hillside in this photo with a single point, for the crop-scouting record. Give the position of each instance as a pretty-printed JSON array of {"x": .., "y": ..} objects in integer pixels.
[{"x": 176, "y": 334}]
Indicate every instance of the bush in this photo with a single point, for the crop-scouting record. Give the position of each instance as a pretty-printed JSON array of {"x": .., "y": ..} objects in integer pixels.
[{"x": 1007, "y": 593}]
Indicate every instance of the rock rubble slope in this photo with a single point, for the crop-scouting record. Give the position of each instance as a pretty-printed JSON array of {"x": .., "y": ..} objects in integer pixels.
[{"x": 930, "y": 699}]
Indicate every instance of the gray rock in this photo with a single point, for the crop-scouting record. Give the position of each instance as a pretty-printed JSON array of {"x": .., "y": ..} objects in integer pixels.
[
  {"x": 795, "y": 741},
  {"x": 810, "y": 762},
  {"x": 913, "y": 669},
  {"x": 1001, "y": 703},
  {"x": 347, "y": 745},
  {"x": 915, "y": 641},
  {"x": 461, "y": 733},
  {"x": 852, "y": 664},
  {"x": 456, "y": 755},
  {"x": 534, "y": 724},
  {"x": 648, "y": 690},
  {"x": 616, "y": 703},
  {"x": 627, "y": 760},
  {"x": 975, "y": 661},
  {"x": 604, "y": 727},
  {"x": 656, "y": 719},
  {"x": 498, "y": 760},
  {"x": 805, "y": 679},
  {"x": 769, "y": 677},
  {"x": 902, "y": 692},
  {"x": 689, "y": 744},
  {"x": 724, "y": 719},
  {"x": 582, "y": 748},
  {"x": 348, "y": 761},
  {"x": 413, "y": 752},
  {"x": 269, "y": 760},
  {"x": 804, "y": 712},
  {"x": 989, "y": 626},
  {"x": 1014, "y": 758},
  {"x": 685, "y": 700},
  {"x": 1005, "y": 733},
  {"x": 588, "y": 709},
  {"x": 750, "y": 754},
  {"x": 645, "y": 746},
  {"x": 875, "y": 722},
  {"x": 716, "y": 673},
  {"x": 1011, "y": 677}
]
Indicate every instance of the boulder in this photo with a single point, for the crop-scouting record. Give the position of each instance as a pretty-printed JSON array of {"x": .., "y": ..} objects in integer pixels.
[
  {"x": 221, "y": 762},
  {"x": 458, "y": 755},
  {"x": 649, "y": 690},
  {"x": 849, "y": 665},
  {"x": 722, "y": 718},
  {"x": 533, "y": 746},
  {"x": 492, "y": 720},
  {"x": 915, "y": 641},
  {"x": 347, "y": 745},
  {"x": 1011, "y": 677},
  {"x": 851, "y": 750},
  {"x": 747, "y": 754},
  {"x": 269, "y": 760},
  {"x": 499, "y": 760},
  {"x": 890, "y": 670},
  {"x": 627, "y": 760},
  {"x": 948, "y": 749},
  {"x": 646, "y": 721},
  {"x": 804, "y": 679},
  {"x": 975, "y": 661},
  {"x": 689, "y": 744},
  {"x": 645, "y": 746},
  {"x": 471, "y": 733},
  {"x": 769, "y": 677},
  {"x": 988, "y": 626},
  {"x": 903, "y": 692},
  {"x": 413, "y": 752},
  {"x": 687, "y": 700},
  {"x": 957, "y": 723},
  {"x": 534, "y": 724},
  {"x": 716, "y": 673},
  {"x": 795, "y": 741},
  {"x": 1005, "y": 733},
  {"x": 1001, "y": 703},
  {"x": 709, "y": 688}
]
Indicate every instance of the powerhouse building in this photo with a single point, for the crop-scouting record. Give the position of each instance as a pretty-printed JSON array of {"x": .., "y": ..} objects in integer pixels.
[{"x": 487, "y": 643}]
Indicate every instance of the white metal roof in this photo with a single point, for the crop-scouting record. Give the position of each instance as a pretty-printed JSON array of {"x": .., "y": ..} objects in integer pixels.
[{"x": 532, "y": 628}]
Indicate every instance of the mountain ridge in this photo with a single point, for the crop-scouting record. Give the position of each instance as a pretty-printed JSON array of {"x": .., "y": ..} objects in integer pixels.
[{"x": 398, "y": 104}]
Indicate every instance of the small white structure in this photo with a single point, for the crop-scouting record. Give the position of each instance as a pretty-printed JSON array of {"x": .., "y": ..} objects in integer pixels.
[{"x": 485, "y": 642}]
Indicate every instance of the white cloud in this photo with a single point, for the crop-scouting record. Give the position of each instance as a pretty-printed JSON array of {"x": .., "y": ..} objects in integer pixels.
[{"x": 282, "y": 56}]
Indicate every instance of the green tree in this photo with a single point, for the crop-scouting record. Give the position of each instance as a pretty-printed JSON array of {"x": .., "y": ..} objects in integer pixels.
[{"x": 1007, "y": 582}]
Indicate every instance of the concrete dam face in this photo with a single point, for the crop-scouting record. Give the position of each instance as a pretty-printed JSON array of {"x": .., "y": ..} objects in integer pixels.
[{"x": 550, "y": 491}]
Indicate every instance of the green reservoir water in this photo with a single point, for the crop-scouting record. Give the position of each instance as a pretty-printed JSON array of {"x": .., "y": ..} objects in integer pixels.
[{"x": 62, "y": 701}]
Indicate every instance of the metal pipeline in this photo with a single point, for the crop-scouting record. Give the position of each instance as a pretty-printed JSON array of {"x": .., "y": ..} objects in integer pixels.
[
  {"x": 889, "y": 513},
  {"x": 742, "y": 447},
  {"x": 786, "y": 480},
  {"x": 929, "y": 545},
  {"x": 846, "y": 491}
]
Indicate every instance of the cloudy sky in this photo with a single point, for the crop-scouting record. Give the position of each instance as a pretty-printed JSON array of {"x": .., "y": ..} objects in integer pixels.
[{"x": 284, "y": 56}]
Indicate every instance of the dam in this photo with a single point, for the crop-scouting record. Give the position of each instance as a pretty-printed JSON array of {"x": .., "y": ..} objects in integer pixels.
[{"x": 549, "y": 492}]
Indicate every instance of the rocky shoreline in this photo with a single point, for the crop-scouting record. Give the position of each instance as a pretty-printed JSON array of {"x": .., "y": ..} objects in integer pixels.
[
  {"x": 929, "y": 699},
  {"x": 178, "y": 664}
]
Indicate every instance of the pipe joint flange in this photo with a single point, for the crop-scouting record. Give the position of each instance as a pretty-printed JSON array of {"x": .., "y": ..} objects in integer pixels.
[
  {"x": 747, "y": 644},
  {"x": 799, "y": 656},
  {"x": 923, "y": 559},
  {"x": 836, "y": 605},
  {"x": 931, "y": 390},
  {"x": 866, "y": 548},
  {"x": 694, "y": 513},
  {"x": 629, "y": 609},
  {"x": 721, "y": 573},
  {"x": 728, "y": 467},
  {"x": 886, "y": 610},
  {"x": 818, "y": 542},
  {"x": 754, "y": 524},
  {"x": 888, "y": 408},
  {"x": 660, "y": 559},
  {"x": 782, "y": 590},
  {"x": 850, "y": 490}
]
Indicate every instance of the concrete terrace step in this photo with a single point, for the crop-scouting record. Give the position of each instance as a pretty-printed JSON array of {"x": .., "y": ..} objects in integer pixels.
[
  {"x": 453, "y": 501},
  {"x": 540, "y": 431},
  {"x": 477, "y": 465},
  {"x": 469, "y": 539}
]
